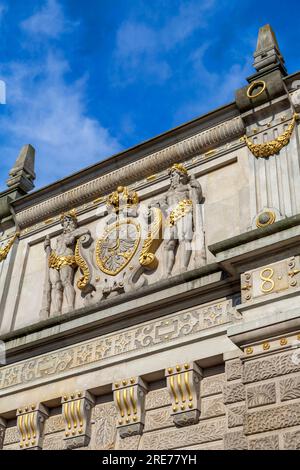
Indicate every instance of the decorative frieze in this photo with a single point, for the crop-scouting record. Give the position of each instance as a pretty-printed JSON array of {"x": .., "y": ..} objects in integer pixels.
[
  {"x": 269, "y": 279},
  {"x": 76, "y": 410},
  {"x": 273, "y": 345},
  {"x": 261, "y": 395},
  {"x": 290, "y": 388},
  {"x": 265, "y": 443},
  {"x": 233, "y": 392},
  {"x": 30, "y": 423},
  {"x": 2, "y": 432},
  {"x": 272, "y": 419},
  {"x": 129, "y": 398},
  {"x": 183, "y": 382},
  {"x": 131, "y": 340},
  {"x": 270, "y": 366}
]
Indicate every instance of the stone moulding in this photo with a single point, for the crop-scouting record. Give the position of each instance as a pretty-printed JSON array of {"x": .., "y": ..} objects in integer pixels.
[{"x": 132, "y": 172}]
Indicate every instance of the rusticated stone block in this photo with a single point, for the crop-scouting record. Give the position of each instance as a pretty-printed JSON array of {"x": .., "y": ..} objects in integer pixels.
[
  {"x": 290, "y": 388},
  {"x": 235, "y": 440},
  {"x": 2, "y": 432},
  {"x": 54, "y": 441},
  {"x": 214, "y": 446},
  {"x": 212, "y": 385},
  {"x": 157, "y": 398},
  {"x": 236, "y": 415},
  {"x": 270, "y": 420},
  {"x": 261, "y": 395},
  {"x": 233, "y": 369},
  {"x": 11, "y": 436},
  {"x": 264, "y": 443},
  {"x": 205, "y": 431},
  {"x": 128, "y": 443},
  {"x": 269, "y": 367},
  {"x": 158, "y": 419},
  {"x": 233, "y": 393},
  {"x": 212, "y": 407},
  {"x": 291, "y": 440}
]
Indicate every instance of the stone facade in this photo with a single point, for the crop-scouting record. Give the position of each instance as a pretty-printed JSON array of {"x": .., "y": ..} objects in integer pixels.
[{"x": 151, "y": 301}]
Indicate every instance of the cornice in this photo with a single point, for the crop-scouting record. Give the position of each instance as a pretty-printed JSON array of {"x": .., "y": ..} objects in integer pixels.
[{"x": 132, "y": 172}]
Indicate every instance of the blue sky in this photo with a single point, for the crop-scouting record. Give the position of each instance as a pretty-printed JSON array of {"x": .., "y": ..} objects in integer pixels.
[{"x": 88, "y": 78}]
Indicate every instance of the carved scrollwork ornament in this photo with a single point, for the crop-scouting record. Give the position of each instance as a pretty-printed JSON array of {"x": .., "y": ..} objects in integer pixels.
[{"x": 267, "y": 149}]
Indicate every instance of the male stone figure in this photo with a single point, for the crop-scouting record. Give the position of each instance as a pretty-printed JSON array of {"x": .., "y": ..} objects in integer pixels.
[
  {"x": 62, "y": 265},
  {"x": 182, "y": 198}
]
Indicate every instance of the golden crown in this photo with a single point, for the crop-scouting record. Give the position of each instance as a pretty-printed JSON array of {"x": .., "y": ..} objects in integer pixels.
[
  {"x": 72, "y": 213},
  {"x": 179, "y": 167},
  {"x": 122, "y": 197}
]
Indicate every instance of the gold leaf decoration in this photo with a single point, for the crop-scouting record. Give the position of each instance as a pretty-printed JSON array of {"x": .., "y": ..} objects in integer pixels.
[
  {"x": 267, "y": 149},
  {"x": 6, "y": 249},
  {"x": 147, "y": 257}
]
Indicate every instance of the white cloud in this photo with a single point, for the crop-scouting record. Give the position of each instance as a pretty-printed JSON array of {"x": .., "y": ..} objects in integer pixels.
[
  {"x": 47, "y": 110},
  {"x": 141, "y": 49},
  {"x": 49, "y": 21},
  {"x": 51, "y": 115}
]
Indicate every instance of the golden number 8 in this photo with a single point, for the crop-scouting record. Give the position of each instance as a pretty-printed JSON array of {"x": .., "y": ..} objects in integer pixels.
[{"x": 267, "y": 278}]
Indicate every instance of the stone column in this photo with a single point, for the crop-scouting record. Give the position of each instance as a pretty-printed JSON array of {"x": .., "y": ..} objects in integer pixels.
[
  {"x": 76, "y": 410},
  {"x": 183, "y": 382}
]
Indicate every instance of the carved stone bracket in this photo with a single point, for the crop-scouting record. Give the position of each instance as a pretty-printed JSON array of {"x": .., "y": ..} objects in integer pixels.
[
  {"x": 30, "y": 423},
  {"x": 2, "y": 432},
  {"x": 183, "y": 382},
  {"x": 129, "y": 397},
  {"x": 76, "y": 410}
]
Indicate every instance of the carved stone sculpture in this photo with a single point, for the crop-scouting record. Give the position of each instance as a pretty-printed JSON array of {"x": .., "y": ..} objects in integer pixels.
[
  {"x": 30, "y": 422},
  {"x": 183, "y": 382},
  {"x": 126, "y": 249},
  {"x": 129, "y": 397},
  {"x": 184, "y": 224},
  {"x": 77, "y": 409},
  {"x": 62, "y": 263}
]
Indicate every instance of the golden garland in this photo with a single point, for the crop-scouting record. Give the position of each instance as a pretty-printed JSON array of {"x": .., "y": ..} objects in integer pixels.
[
  {"x": 57, "y": 262},
  {"x": 183, "y": 207},
  {"x": 267, "y": 149},
  {"x": 6, "y": 249},
  {"x": 83, "y": 266}
]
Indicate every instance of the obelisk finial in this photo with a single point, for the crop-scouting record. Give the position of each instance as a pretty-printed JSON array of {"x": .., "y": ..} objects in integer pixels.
[
  {"x": 267, "y": 56},
  {"x": 22, "y": 174}
]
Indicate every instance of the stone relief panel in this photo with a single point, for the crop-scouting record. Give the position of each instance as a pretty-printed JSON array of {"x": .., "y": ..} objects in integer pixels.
[
  {"x": 212, "y": 385},
  {"x": 261, "y": 395},
  {"x": 54, "y": 441},
  {"x": 272, "y": 419},
  {"x": 265, "y": 443},
  {"x": 291, "y": 440},
  {"x": 235, "y": 440},
  {"x": 202, "y": 432},
  {"x": 290, "y": 388},
  {"x": 157, "y": 398},
  {"x": 158, "y": 419},
  {"x": 235, "y": 415},
  {"x": 233, "y": 392},
  {"x": 269, "y": 367},
  {"x": 212, "y": 407},
  {"x": 104, "y": 431}
]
